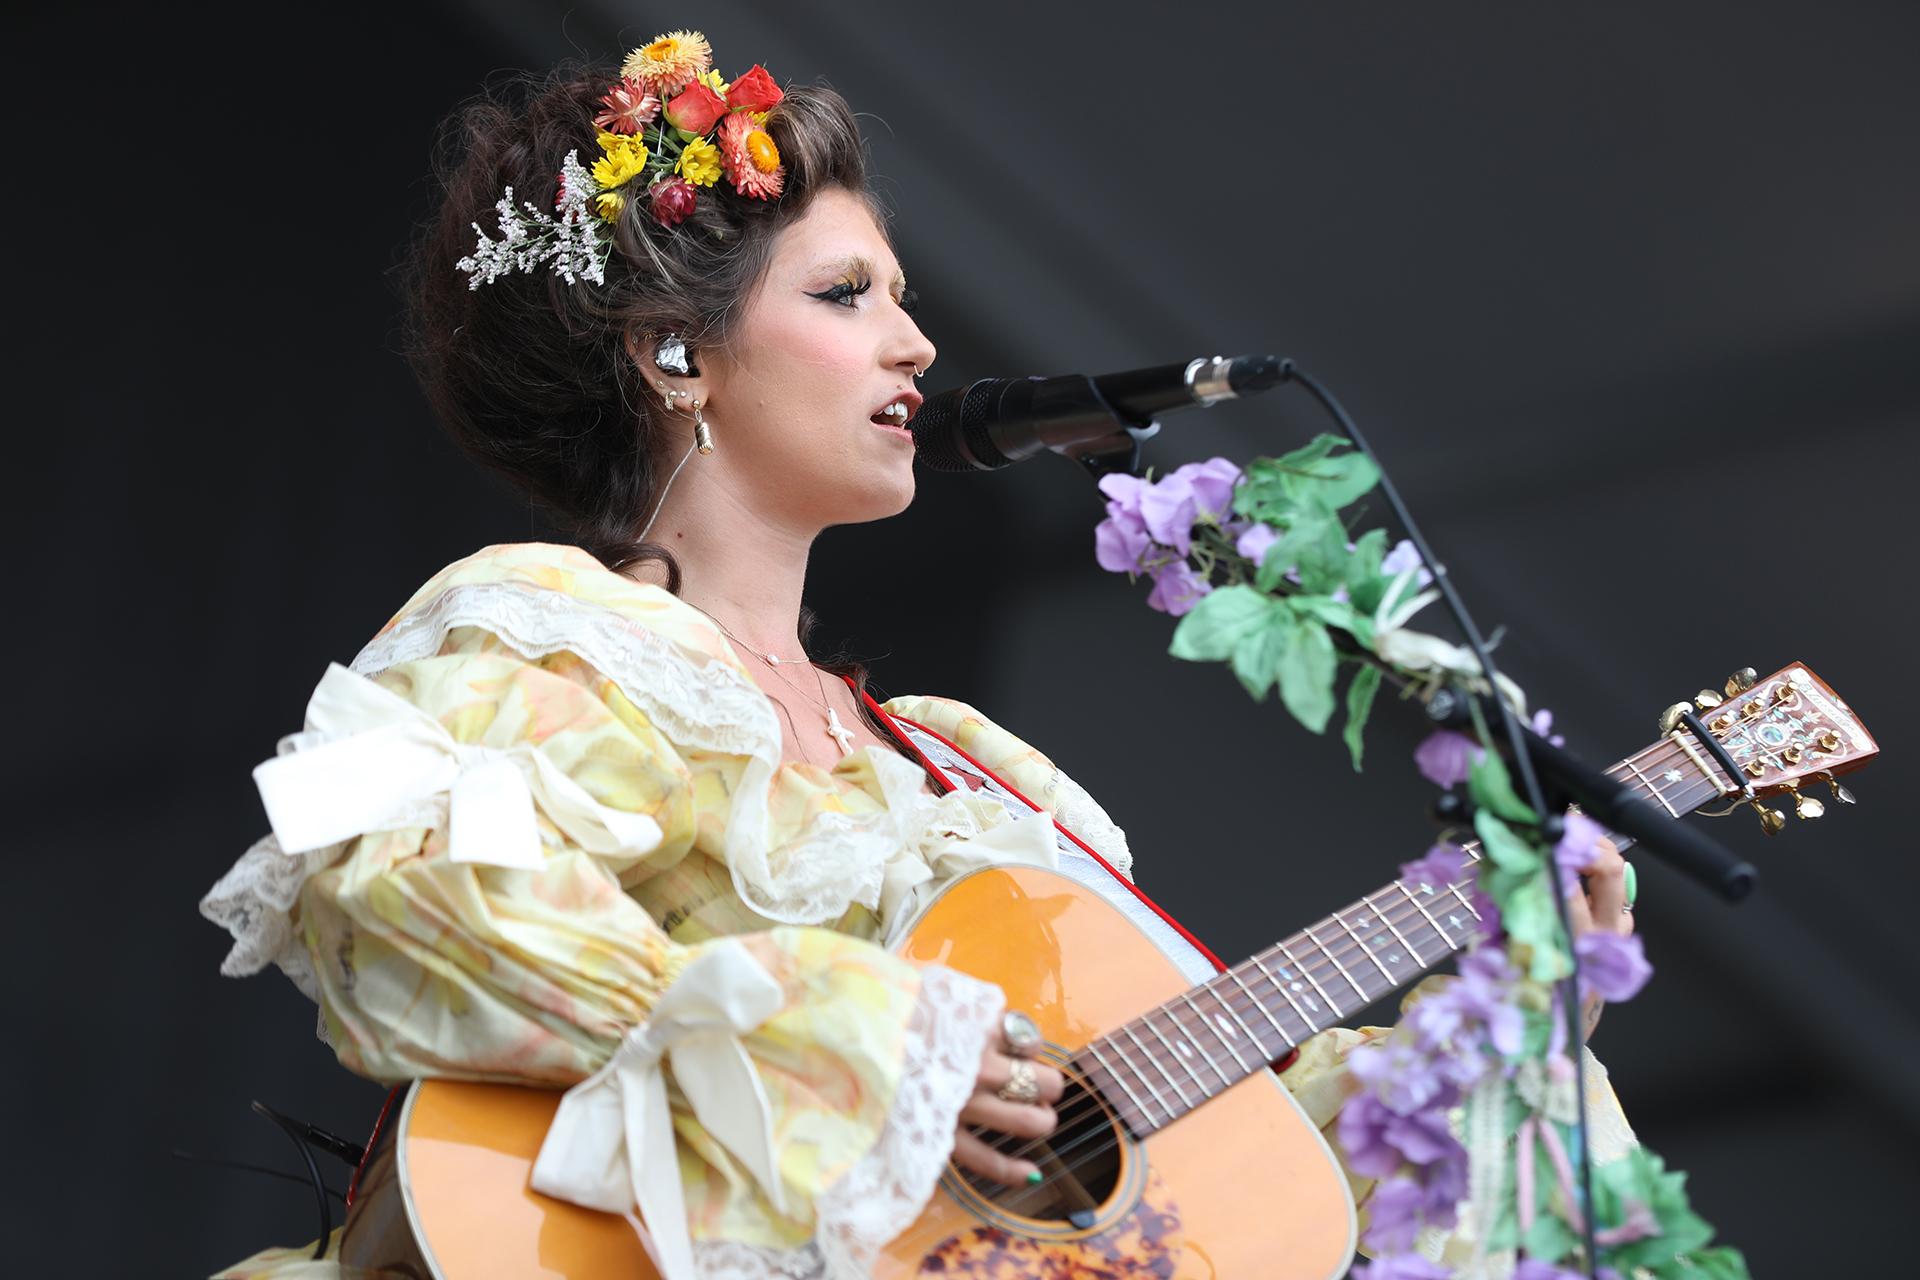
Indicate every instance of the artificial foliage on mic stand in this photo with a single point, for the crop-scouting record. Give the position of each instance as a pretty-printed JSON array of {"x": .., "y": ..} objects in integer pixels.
[{"x": 1471, "y": 1098}]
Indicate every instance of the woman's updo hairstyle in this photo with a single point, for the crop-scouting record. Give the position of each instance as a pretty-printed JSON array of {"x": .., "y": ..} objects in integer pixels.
[{"x": 532, "y": 376}]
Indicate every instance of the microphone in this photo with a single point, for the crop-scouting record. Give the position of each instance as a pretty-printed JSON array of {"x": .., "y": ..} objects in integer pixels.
[{"x": 997, "y": 422}]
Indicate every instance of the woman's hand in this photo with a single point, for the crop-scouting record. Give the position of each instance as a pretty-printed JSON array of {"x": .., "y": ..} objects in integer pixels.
[
  {"x": 989, "y": 1110},
  {"x": 1601, "y": 905}
]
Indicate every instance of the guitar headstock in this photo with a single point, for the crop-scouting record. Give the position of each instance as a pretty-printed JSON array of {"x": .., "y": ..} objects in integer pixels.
[{"x": 1781, "y": 733}]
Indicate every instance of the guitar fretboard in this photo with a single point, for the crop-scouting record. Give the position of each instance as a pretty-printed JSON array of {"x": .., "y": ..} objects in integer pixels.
[{"x": 1176, "y": 1057}]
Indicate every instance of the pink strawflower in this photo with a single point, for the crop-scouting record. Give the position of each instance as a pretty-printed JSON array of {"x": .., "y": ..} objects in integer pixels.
[
  {"x": 629, "y": 108},
  {"x": 748, "y": 156}
]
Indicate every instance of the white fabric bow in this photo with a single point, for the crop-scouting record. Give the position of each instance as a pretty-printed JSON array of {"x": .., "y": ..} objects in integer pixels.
[
  {"x": 611, "y": 1145},
  {"x": 369, "y": 759}
]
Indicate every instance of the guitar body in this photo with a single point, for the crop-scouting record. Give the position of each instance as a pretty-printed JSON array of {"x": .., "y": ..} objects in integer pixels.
[{"x": 1243, "y": 1186}]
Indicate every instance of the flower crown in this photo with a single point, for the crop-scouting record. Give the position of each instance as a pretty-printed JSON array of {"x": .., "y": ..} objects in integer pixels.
[{"x": 661, "y": 155}]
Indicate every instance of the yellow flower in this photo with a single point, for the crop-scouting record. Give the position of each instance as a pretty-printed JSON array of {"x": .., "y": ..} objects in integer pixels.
[
  {"x": 760, "y": 149},
  {"x": 621, "y": 164},
  {"x": 700, "y": 163},
  {"x": 611, "y": 203},
  {"x": 670, "y": 63},
  {"x": 713, "y": 81}
]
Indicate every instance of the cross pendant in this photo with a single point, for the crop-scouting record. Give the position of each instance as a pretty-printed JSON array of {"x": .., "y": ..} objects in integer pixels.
[{"x": 838, "y": 732}]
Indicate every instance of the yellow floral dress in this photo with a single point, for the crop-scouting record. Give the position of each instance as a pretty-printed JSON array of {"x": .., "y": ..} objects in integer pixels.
[{"x": 545, "y": 804}]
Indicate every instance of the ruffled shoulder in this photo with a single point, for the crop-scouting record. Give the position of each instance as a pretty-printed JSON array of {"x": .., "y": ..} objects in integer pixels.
[{"x": 1023, "y": 766}]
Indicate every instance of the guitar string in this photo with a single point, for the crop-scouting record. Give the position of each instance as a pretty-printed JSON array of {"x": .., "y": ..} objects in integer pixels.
[{"x": 1402, "y": 917}]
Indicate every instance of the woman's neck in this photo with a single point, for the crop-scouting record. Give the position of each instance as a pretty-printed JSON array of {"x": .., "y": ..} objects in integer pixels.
[{"x": 743, "y": 569}]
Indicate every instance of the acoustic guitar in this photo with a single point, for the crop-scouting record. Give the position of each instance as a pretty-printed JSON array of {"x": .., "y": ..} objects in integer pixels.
[{"x": 1178, "y": 1152}]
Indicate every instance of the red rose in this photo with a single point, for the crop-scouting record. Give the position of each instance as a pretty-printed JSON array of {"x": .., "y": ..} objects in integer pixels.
[
  {"x": 754, "y": 91},
  {"x": 673, "y": 200},
  {"x": 696, "y": 108}
]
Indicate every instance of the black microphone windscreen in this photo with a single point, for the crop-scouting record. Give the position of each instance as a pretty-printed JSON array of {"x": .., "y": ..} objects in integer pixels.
[{"x": 950, "y": 429}]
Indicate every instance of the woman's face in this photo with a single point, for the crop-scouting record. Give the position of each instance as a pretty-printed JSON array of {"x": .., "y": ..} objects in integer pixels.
[{"x": 824, "y": 344}]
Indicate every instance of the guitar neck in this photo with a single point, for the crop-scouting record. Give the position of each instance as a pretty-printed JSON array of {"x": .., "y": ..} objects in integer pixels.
[{"x": 1174, "y": 1058}]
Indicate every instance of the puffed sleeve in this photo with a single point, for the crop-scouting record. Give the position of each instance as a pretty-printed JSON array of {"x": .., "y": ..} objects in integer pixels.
[
  {"x": 1322, "y": 1082},
  {"x": 452, "y": 838}
]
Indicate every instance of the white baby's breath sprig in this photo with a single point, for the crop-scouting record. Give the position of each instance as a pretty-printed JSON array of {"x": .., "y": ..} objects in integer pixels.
[{"x": 575, "y": 245}]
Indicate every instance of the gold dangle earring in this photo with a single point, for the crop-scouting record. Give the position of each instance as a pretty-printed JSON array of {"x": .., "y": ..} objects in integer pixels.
[{"x": 702, "y": 435}]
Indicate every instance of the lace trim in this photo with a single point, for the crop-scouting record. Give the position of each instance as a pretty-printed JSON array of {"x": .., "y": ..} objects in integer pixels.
[
  {"x": 881, "y": 1195},
  {"x": 254, "y": 901},
  {"x": 834, "y": 863},
  {"x": 1079, "y": 813}
]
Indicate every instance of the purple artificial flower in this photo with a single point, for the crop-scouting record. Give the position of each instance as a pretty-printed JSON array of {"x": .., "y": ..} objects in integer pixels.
[
  {"x": 1177, "y": 588},
  {"x": 1576, "y": 849},
  {"x": 1444, "y": 1183},
  {"x": 1401, "y": 1266},
  {"x": 1172, "y": 504},
  {"x": 1405, "y": 556},
  {"x": 1378, "y": 1140},
  {"x": 1485, "y": 992},
  {"x": 1542, "y": 724},
  {"x": 1120, "y": 544},
  {"x": 1445, "y": 756},
  {"x": 1613, "y": 965},
  {"x": 1401, "y": 1076},
  {"x": 1534, "y": 1269},
  {"x": 1393, "y": 1214},
  {"x": 1253, "y": 543},
  {"x": 1121, "y": 541}
]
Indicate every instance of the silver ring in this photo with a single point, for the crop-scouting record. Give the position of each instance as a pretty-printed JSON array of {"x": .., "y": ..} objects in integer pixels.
[
  {"x": 1021, "y": 1033},
  {"x": 1023, "y": 1083}
]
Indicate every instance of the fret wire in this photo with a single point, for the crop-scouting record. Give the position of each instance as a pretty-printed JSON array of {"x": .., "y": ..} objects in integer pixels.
[
  {"x": 1224, "y": 1042},
  {"x": 1260, "y": 1004},
  {"x": 1419, "y": 906},
  {"x": 1384, "y": 971},
  {"x": 1654, "y": 787},
  {"x": 1339, "y": 968},
  {"x": 1388, "y": 921},
  {"x": 1293, "y": 965},
  {"x": 1454, "y": 889},
  {"x": 1173, "y": 1049},
  {"x": 1285, "y": 1039},
  {"x": 1710, "y": 772},
  {"x": 1093, "y": 1047},
  {"x": 1164, "y": 1074}
]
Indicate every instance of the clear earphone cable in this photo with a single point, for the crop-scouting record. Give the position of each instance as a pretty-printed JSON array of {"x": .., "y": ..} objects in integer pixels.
[{"x": 663, "y": 492}]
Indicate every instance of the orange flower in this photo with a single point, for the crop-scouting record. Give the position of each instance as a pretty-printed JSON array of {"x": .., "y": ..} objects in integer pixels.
[
  {"x": 754, "y": 91},
  {"x": 696, "y": 109},
  {"x": 750, "y": 158}
]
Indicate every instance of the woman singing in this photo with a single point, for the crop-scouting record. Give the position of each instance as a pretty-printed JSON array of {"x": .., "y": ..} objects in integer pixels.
[{"x": 685, "y": 333}]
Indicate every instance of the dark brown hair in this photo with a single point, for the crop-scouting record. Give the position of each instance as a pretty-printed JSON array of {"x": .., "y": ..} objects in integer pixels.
[{"x": 530, "y": 375}]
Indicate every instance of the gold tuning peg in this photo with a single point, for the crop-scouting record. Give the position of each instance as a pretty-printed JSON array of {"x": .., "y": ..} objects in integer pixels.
[
  {"x": 1806, "y": 806},
  {"x": 1840, "y": 793},
  {"x": 1706, "y": 699},
  {"x": 1670, "y": 718},
  {"x": 1771, "y": 820},
  {"x": 1741, "y": 681}
]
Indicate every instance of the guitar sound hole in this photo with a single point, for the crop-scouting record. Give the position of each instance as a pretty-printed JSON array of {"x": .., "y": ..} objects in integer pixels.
[{"x": 1080, "y": 1163}]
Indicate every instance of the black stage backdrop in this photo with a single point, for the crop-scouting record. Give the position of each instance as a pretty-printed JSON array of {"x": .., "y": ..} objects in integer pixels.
[{"x": 1628, "y": 295}]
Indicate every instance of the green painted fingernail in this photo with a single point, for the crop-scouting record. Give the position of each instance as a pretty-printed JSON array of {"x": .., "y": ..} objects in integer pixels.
[
  {"x": 1632, "y": 884},
  {"x": 1033, "y": 1178}
]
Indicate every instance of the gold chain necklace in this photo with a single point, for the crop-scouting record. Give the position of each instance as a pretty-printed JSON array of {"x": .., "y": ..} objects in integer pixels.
[{"x": 835, "y": 730}]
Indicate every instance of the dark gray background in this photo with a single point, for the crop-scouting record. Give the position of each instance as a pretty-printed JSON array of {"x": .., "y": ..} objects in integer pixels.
[{"x": 1628, "y": 295}]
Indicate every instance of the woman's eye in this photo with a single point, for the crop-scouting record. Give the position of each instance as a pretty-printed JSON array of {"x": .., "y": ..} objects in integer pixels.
[
  {"x": 845, "y": 292},
  {"x": 909, "y": 300}
]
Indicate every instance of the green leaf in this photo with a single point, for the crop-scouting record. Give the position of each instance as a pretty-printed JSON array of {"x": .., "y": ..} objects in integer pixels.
[
  {"x": 1257, "y": 658},
  {"x": 1335, "y": 613},
  {"x": 1338, "y": 480},
  {"x": 1491, "y": 787},
  {"x": 1366, "y": 682},
  {"x": 1215, "y": 626},
  {"x": 1311, "y": 452},
  {"x": 1529, "y": 916},
  {"x": 1306, "y": 671},
  {"x": 1722, "y": 1262},
  {"x": 1642, "y": 1176},
  {"x": 1550, "y": 1239}
]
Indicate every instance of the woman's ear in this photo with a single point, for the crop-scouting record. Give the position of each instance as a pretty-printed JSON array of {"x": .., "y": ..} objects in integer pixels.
[{"x": 667, "y": 364}]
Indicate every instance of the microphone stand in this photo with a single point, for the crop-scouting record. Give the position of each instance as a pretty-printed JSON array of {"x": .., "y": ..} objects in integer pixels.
[{"x": 1532, "y": 757}]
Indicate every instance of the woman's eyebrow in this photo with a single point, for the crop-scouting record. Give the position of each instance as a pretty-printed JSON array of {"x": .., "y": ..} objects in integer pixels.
[{"x": 854, "y": 262}]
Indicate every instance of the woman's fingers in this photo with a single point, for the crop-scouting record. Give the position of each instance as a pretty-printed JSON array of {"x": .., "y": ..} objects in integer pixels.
[
  {"x": 1606, "y": 886},
  {"x": 996, "y": 1068},
  {"x": 969, "y": 1152},
  {"x": 1020, "y": 1118}
]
